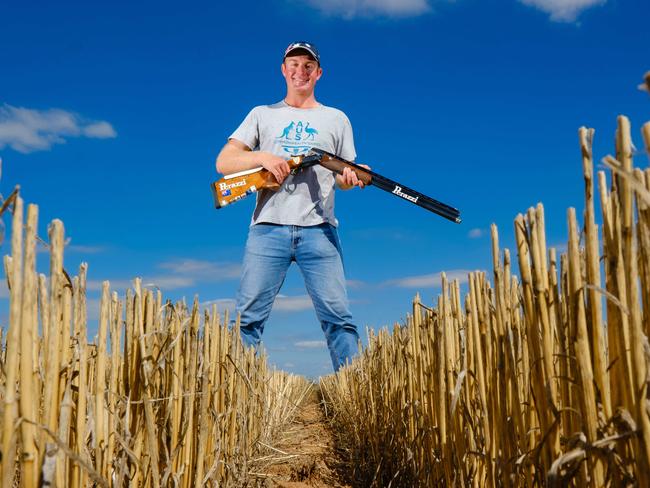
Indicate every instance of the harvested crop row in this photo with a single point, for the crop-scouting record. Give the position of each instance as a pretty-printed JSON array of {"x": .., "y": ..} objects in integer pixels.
[
  {"x": 165, "y": 396},
  {"x": 535, "y": 379}
]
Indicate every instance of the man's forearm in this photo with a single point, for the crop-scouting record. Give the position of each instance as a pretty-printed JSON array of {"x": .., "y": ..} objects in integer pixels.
[{"x": 233, "y": 159}]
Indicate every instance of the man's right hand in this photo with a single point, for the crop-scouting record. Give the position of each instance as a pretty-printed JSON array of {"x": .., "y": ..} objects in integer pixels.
[
  {"x": 278, "y": 167},
  {"x": 236, "y": 156}
]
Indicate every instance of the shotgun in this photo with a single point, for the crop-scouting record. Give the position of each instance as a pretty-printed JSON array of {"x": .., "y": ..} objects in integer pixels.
[{"x": 236, "y": 186}]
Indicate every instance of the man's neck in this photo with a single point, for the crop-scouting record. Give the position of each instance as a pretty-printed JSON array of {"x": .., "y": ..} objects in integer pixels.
[{"x": 298, "y": 101}]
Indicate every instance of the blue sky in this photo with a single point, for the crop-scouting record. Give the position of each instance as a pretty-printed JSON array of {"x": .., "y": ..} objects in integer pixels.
[{"x": 112, "y": 113}]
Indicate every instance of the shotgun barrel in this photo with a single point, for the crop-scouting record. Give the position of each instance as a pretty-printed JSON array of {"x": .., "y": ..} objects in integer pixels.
[{"x": 336, "y": 164}]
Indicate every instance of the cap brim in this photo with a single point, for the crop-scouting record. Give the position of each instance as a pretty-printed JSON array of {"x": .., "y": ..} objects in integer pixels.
[{"x": 303, "y": 48}]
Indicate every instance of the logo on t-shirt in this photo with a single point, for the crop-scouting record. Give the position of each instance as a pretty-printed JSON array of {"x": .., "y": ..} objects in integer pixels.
[{"x": 296, "y": 136}]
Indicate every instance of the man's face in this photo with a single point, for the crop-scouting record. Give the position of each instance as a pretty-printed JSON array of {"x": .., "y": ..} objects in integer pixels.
[{"x": 301, "y": 73}]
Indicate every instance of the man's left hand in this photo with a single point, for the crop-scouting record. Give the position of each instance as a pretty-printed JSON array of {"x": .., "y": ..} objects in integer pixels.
[{"x": 348, "y": 178}]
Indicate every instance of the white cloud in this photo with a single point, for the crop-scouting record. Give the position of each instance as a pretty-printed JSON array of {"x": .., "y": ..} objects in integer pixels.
[
  {"x": 116, "y": 285},
  {"x": 168, "y": 282},
  {"x": 92, "y": 308},
  {"x": 355, "y": 284},
  {"x": 221, "y": 303},
  {"x": 310, "y": 344},
  {"x": 202, "y": 270},
  {"x": 99, "y": 130},
  {"x": 292, "y": 304},
  {"x": 475, "y": 233},
  {"x": 349, "y": 9},
  {"x": 560, "y": 247},
  {"x": 27, "y": 130},
  {"x": 183, "y": 273},
  {"x": 282, "y": 303},
  {"x": 429, "y": 280},
  {"x": 163, "y": 282},
  {"x": 559, "y": 10},
  {"x": 563, "y": 10},
  {"x": 85, "y": 249}
]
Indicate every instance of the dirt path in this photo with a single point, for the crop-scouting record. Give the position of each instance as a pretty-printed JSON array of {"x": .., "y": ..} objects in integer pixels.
[{"x": 307, "y": 455}]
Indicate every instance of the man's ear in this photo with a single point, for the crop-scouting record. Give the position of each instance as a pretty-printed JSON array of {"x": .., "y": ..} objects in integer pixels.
[
  {"x": 320, "y": 73},
  {"x": 283, "y": 69}
]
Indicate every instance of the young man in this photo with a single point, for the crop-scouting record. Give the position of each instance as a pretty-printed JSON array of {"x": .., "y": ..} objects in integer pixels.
[{"x": 297, "y": 222}]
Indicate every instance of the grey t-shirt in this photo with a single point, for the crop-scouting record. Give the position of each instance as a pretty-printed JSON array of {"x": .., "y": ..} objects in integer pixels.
[{"x": 306, "y": 198}]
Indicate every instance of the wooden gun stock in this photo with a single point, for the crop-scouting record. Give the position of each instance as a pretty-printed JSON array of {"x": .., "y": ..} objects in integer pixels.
[{"x": 236, "y": 186}]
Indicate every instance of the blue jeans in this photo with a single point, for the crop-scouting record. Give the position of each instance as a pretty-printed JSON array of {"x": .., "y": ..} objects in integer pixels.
[{"x": 270, "y": 249}]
